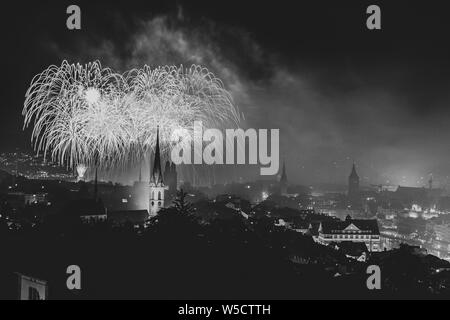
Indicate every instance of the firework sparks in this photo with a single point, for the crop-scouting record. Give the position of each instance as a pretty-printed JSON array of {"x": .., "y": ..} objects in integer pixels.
[{"x": 90, "y": 115}]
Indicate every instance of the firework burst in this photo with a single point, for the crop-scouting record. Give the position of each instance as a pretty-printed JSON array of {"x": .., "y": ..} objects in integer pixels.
[
  {"x": 90, "y": 115},
  {"x": 73, "y": 109}
]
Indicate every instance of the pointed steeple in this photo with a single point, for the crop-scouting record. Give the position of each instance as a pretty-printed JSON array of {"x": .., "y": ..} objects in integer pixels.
[
  {"x": 353, "y": 186},
  {"x": 157, "y": 177},
  {"x": 353, "y": 174}
]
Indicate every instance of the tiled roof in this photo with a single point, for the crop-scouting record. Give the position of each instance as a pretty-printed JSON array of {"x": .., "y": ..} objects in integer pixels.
[{"x": 366, "y": 226}]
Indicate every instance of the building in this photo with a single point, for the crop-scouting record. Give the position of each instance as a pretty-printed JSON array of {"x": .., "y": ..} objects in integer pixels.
[
  {"x": 137, "y": 199},
  {"x": 89, "y": 210},
  {"x": 31, "y": 288},
  {"x": 427, "y": 198},
  {"x": 171, "y": 177},
  {"x": 157, "y": 186},
  {"x": 389, "y": 210},
  {"x": 442, "y": 232},
  {"x": 36, "y": 198},
  {"x": 440, "y": 239},
  {"x": 353, "y": 187},
  {"x": 351, "y": 230},
  {"x": 20, "y": 199}
]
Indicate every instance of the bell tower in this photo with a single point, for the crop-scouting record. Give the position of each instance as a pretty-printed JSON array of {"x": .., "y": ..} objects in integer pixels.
[{"x": 353, "y": 185}]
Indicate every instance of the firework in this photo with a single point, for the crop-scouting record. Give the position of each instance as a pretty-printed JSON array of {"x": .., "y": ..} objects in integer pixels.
[
  {"x": 90, "y": 115},
  {"x": 81, "y": 170},
  {"x": 175, "y": 97},
  {"x": 75, "y": 112}
]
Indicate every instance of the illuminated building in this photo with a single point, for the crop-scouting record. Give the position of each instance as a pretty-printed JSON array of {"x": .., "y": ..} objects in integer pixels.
[
  {"x": 170, "y": 177},
  {"x": 37, "y": 198},
  {"x": 32, "y": 289},
  {"x": 365, "y": 231},
  {"x": 157, "y": 186}
]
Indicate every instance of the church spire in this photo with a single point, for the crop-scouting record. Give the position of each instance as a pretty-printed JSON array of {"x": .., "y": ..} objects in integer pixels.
[
  {"x": 353, "y": 187},
  {"x": 157, "y": 187},
  {"x": 353, "y": 174},
  {"x": 157, "y": 177}
]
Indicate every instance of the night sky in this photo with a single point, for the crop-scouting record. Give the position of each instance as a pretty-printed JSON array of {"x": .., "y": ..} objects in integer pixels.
[{"x": 338, "y": 92}]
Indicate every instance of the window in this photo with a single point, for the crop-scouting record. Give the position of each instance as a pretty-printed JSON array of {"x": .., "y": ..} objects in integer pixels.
[
  {"x": 33, "y": 294},
  {"x": 159, "y": 195}
]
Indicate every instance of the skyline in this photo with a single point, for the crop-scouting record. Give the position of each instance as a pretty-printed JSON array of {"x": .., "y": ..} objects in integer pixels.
[{"x": 34, "y": 167}]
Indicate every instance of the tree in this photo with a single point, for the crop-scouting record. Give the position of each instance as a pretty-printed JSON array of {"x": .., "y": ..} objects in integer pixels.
[
  {"x": 3, "y": 226},
  {"x": 181, "y": 204},
  {"x": 177, "y": 219}
]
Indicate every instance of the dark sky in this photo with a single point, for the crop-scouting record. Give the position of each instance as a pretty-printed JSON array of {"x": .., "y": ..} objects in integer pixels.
[{"x": 337, "y": 91}]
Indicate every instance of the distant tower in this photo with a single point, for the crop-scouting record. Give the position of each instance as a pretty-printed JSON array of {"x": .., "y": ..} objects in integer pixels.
[
  {"x": 353, "y": 185},
  {"x": 283, "y": 181},
  {"x": 170, "y": 177},
  {"x": 430, "y": 182},
  {"x": 157, "y": 187}
]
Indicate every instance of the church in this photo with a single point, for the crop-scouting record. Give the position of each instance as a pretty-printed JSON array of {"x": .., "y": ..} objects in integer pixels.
[{"x": 157, "y": 186}]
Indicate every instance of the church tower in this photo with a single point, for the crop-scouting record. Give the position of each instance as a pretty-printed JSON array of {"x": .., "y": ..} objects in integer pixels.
[
  {"x": 170, "y": 177},
  {"x": 353, "y": 185},
  {"x": 283, "y": 181},
  {"x": 157, "y": 187}
]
